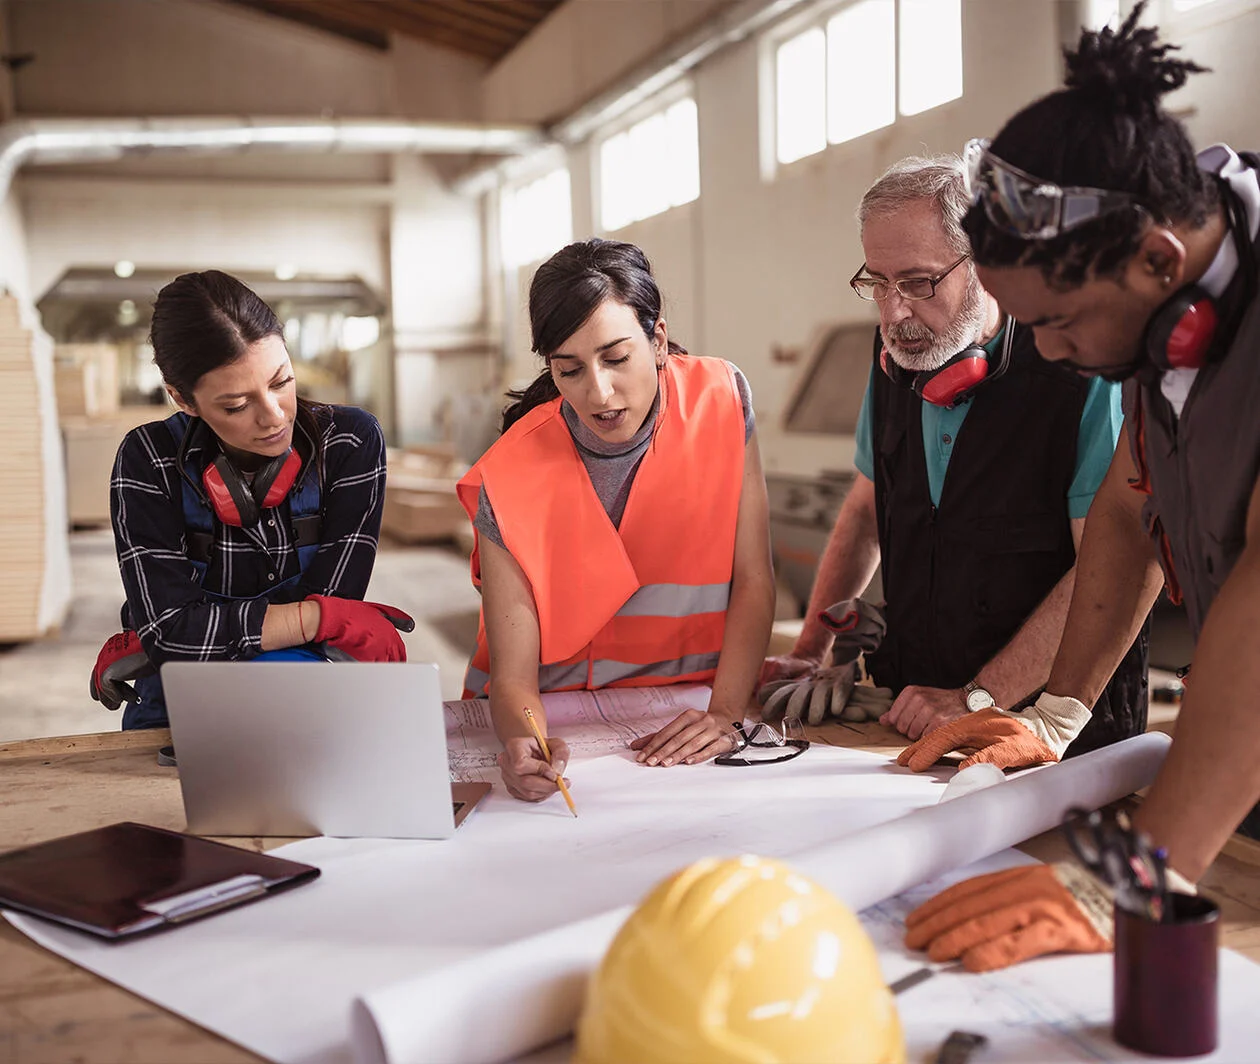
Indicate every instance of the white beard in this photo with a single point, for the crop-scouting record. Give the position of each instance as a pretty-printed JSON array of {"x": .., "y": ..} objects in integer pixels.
[{"x": 965, "y": 329}]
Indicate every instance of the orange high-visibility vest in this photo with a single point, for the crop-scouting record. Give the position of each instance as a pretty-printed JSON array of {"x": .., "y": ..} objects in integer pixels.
[{"x": 645, "y": 604}]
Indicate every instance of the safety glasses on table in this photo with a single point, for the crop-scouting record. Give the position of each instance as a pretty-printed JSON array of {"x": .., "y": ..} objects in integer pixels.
[
  {"x": 763, "y": 744},
  {"x": 877, "y": 289},
  {"x": 1026, "y": 206}
]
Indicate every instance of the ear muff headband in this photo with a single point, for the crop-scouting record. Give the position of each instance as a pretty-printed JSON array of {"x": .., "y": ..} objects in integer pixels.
[
  {"x": 957, "y": 379},
  {"x": 236, "y": 502}
]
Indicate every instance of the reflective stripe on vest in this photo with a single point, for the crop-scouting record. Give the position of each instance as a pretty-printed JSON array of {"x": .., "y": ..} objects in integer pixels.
[{"x": 644, "y": 602}]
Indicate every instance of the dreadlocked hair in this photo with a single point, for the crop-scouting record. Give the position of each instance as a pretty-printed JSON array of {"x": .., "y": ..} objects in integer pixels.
[{"x": 1104, "y": 129}]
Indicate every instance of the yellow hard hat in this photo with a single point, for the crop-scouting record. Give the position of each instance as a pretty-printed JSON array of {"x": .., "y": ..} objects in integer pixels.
[{"x": 739, "y": 960}]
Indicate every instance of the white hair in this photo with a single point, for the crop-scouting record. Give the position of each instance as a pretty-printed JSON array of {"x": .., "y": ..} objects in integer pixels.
[{"x": 917, "y": 177}]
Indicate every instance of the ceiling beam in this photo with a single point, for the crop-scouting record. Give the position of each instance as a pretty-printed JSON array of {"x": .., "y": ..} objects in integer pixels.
[{"x": 308, "y": 15}]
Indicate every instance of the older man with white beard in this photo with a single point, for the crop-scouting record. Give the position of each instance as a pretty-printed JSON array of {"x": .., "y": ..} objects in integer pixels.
[{"x": 976, "y": 464}]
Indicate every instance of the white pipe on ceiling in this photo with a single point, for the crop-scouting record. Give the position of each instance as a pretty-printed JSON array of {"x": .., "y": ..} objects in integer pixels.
[{"x": 71, "y": 140}]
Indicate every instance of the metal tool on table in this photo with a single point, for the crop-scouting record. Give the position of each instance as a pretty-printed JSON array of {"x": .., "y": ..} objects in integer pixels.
[{"x": 1107, "y": 844}]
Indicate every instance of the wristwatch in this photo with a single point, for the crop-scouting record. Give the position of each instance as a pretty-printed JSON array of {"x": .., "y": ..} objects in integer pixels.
[{"x": 977, "y": 698}]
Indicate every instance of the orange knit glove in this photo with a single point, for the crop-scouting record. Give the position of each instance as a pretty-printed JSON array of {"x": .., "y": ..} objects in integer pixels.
[
  {"x": 991, "y": 735},
  {"x": 1003, "y": 918}
]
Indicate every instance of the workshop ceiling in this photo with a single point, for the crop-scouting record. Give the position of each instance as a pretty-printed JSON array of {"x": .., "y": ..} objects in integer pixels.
[{"x": 488, "y": 29}]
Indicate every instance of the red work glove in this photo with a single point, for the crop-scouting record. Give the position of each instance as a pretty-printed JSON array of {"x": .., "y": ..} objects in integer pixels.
[
  {"x": 122, "y": 658},
  {"x": 1003, "y": 918},
  {"x": 364, "y": 631}
]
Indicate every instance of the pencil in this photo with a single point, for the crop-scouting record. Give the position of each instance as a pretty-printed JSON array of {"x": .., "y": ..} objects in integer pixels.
[{"x": 546, "y": 752}]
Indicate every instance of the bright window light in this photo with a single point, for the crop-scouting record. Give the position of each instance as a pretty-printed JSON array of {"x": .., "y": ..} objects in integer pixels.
[
  {"x": 537, "y": 219},
  {"x": 861, "y": 69},
  {"x": 650, "y": 167},
  {"x": 616, "y": 182},
  {"x": 1102, "y": 13},
  {"x": 682, "y": 148},
  {"x": 801, "y": 95},
  {"x": 1190, "y": 5},
  {"x": 358, "y": 333},
  {"x": 930, "y": 63}
]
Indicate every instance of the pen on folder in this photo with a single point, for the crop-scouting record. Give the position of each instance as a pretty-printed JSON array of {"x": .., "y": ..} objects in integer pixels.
[{"x": 546, "y": 752}]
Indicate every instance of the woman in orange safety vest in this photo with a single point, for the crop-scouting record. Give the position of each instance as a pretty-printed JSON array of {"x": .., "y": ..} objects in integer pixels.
[{"x": 622, "y": 523}]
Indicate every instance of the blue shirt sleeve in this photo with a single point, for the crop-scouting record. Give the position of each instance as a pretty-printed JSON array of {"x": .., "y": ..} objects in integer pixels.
[
  {"x": 1101, "y": 420},
  {"x": 864, "y": 457}
]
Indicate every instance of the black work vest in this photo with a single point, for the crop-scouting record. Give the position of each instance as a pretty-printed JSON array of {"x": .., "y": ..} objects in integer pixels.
[{"x": 960, "y": 578}]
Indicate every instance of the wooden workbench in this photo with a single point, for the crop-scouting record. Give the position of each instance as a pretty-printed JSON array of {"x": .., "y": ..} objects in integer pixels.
[{"x": 52, "y": 1011}]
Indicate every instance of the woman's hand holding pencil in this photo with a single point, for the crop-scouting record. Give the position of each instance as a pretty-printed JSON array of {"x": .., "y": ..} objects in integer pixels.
[{"x": 533, "y": 767}]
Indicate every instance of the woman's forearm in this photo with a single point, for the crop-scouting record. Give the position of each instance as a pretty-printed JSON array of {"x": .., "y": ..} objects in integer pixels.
[
  {"x": 749, "y": 617},
  {"x": 508, "y": 702},
  {"x": 289, "y": 624}
]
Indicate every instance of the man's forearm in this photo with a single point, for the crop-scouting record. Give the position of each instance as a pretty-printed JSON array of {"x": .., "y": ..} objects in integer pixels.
[
  {"x": 1023, "y": 665},
  {"x": 847, "y": 564},
  {"x": 1212, "y": 775},
  {"x": 1117, "y": 582}
]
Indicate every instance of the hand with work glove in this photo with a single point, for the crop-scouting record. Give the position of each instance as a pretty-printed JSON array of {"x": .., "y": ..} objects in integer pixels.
[
  {"x": 1040, "y": 733},
  {"x": 857, "y": 626},
  {"x": 122, "y": 658},
  {"x": 1002, "y": 918},
  {"x": 360, "y": 631}
]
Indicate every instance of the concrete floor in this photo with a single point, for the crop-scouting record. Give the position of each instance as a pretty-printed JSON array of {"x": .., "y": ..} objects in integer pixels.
[{"x": 44, "y": 685}]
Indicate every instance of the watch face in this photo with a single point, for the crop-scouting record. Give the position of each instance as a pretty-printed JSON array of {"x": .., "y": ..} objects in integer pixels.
[{"x": 979, "y": 699}]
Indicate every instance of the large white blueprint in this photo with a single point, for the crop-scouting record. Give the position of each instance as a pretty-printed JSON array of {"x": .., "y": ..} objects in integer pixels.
[
  {"x": 593, "y": 723},
  {"x": 279, "y": 976}
]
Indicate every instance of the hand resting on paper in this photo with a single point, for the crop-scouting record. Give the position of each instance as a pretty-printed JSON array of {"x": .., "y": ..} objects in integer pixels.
[
  {"x": 920, "y": 711},
  {"x": 691, "y": 737},
  {"x": 526, "y": 774}
]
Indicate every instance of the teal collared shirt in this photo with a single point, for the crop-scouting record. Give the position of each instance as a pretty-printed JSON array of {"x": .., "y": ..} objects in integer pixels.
[{"x": 1101, "y": 420}]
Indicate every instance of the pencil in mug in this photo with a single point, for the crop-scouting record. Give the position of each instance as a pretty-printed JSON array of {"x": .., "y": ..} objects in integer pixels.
[{"x": 546, "y": 752}]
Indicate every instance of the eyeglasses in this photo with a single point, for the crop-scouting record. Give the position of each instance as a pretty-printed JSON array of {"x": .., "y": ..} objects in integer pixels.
[
  {"x": 1026, "y": 206},
  {"x": 764, "y": 745},
  {"x": 868, "y": 287}
]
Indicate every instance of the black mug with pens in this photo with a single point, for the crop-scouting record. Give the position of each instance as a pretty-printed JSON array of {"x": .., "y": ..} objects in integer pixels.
[{"x": 1165, "y": 963}]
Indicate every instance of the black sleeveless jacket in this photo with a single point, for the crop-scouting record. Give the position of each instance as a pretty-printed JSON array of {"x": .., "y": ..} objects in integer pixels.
[{"x": 960, "y": 578}]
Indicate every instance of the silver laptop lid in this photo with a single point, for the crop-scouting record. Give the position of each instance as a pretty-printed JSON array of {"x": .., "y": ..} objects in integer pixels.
[{"x": 310, "y": 748}]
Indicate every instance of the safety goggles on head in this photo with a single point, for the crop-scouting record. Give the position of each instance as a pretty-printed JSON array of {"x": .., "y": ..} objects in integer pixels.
[{"x": 1026, "y": 206}]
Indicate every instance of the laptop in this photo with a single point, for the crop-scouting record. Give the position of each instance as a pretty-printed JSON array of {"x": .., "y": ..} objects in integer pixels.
[{"x": 352, "y": 749}]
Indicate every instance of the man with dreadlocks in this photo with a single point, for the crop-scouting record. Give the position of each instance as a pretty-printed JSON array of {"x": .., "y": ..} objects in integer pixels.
[{"x": 1095, "y": 224}]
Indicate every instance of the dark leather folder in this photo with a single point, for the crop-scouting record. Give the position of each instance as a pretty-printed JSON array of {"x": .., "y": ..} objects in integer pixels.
[{"x": 128, "y": 879}]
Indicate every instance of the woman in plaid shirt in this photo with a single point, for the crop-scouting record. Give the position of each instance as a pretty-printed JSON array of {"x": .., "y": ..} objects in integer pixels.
[{"x": 246, "y": 523}]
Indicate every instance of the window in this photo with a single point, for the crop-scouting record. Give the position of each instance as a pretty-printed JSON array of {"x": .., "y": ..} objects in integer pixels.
[
  {"x": 536, "y": 219},
  {"x": 650, "y": 167},
  {"x": 870, "y": 61}
]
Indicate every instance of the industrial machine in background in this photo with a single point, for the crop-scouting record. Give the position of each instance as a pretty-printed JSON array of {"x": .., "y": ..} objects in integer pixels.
[{"x": 820, "y": 419}]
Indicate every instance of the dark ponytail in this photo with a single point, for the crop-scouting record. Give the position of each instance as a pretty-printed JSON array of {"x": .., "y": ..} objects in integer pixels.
[
  {"x": 565, "y": 292},
  {"x": 202, "y": 321},
  {"x": 1105, "y": 129}
]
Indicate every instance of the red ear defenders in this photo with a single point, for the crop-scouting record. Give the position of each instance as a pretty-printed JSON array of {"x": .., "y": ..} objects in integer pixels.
[
  {"x": 948, "y": 384},
  {"x": 957, "y": 379},
  {"x": 236, "y": 502},
  {"x": 1182, "y": 333}
]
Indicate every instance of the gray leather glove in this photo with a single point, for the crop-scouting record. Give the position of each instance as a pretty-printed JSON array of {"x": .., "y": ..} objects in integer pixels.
[{"x": 858, "y": 626}]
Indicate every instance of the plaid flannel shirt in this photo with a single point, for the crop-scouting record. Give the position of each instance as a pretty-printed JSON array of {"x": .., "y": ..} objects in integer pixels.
[{"x": 166, "y": 605}]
